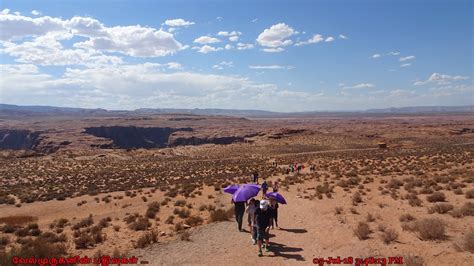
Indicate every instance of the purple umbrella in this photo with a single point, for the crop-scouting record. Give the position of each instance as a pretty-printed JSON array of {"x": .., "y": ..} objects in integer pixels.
[
  {"x": 276, "y": 196},
  {"x": 231, "y": 189},
  {"x": 246, "y": 192}
]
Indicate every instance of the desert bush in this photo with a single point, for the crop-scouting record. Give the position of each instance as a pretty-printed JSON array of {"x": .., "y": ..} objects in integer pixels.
[
  {"x": 436, "y": 197},
  {"x": 86, "y": 222},
  {"x": 353, "y": 210},
  {"x": 362, "y": 231},
  {"x": 140, "y": 224},
  {"x": 441, "y": 208},
  {"x": 470, "y": 194},
  {"x": 52, "y": 237},
  {"x": 356, "y": 198},
  {"x": 202, "y": 207},
  {"x": 458, "y": 191},
  {"x": 153, "y": 209},
  {"x": 146, "y": 239},
  {"x": 83, "y": 241},
  {"x": 338, "y": 210},
  {"x": 389, "y": 235},
  {"x": 220, "y": 215},
  {"x": 194, "y": 220},
  {"x": 170, "y": 219},
  {"x": 382, "y": 227},
  {"x": 430, "y": 229},
  {"x": 468, "y": 241},
  {"x": 34, "y": 248},
  {"x": 406, "y": 217},
  {"x": 468, "y": 209},
  {"x": 412, "y": 260},
  {"x": 180, "y": 203},
  {"x": 185, "y": 236},
  {"x": 370, "y": 218},
  {"x": 18, "y": 219},
  {"x": 182, "y": 213}
]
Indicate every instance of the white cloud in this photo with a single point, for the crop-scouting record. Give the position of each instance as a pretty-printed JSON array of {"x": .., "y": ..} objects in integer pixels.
[
  {"x": 5, "y": 11},
  {"x": 134, "y": 40},
  {"x": 329, "y": 39},
  {"x": 223, "y": 65},
  {"x": 244, "y": 46},
  {"x": 174, "y": 65},
  {"x": 410, "y": 57},
  {"x": 219, "y": 18},
  {"x": 178, "y": 22},
  {"x": 35, "y": 13},
  {"x": 207, "y": 49},
  {"x": 273, "y": 50},
  {"x": 361, "y": 86},
  {"x": 271, "y": 67},
  {"x": 229, "y": 34},
  {"x": 254, "y": 20},
  {"x": 315, "y": 39},
  {"x": 394, "y": 53},
  {"x": 405, "y": 65},
  {"x": 234, "y": 38},
  {"x": 376, "y": 56},
  {"x": 276, "y": 37},
  {"x": 206, "y": 40},
  {"x": 228, "y": 47},
  {"x": 441, "y": 79},
  {"x": 344, "y": 37}
]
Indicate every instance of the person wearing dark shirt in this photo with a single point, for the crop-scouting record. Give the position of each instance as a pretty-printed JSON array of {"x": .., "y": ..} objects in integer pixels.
[
  {"x": 239, "y": 210},
  {"x": 264, "y": 187},
  {"x": 255, "y": 177},
  {"x": 263, "y": 216},
  {"x": 274, "y": 209}
]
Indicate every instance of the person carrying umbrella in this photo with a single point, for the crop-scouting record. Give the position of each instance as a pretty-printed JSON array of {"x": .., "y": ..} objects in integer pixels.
[
  {"x": 263, "y": 215},
  {"x": 239, "y": 210},
  {"x": 274, "y": 209},
  {"x": 251, "y": 208}
]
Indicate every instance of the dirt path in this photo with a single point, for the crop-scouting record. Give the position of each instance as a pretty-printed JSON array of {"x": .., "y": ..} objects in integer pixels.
[{"x": 310, "y": 229}]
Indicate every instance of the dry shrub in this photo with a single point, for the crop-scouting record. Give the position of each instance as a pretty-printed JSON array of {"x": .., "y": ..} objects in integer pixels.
[
  {"x": 84, "y": 240},
  {"x": 338, "y": 210},
  {"x": 389, "y": 235},
  {"x": 153, "y": 209},
  {"x": 370, "y": 218},
  {"x": 180, "y": 203},
  {"x": 382, "y": 227},
  {"x": 468, "y": 241},
  {"x": 468, "y": 209},
  {"x": 185, "y": 236},
  {"x": 430, "y": 229},
  {"x": 140, "y": 224},
  {"x": 436, "y": 197},
  {"x": 441, "y": 208},
  {"x": 413, "y": 260},
  {"x": 86, "y": 222},
  {"x": 34, "y": 248},
  {"x": 220, "y": 215},
  {"x": 362, "y": 231},
  {"x": 406, "y": 217},
  {"x": 146, "y": 239},
  {"x": 18, "y": 219},
  {"x": 170, "y": 219},
  {"x": 356, "y": 198},
  {"x": 194, "y": 220},
  {"x": 470, "y": 194},
  {"x": 353, "y": 210}
]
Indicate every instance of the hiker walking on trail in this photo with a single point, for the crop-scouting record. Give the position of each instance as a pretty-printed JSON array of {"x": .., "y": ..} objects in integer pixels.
[
  {"x": 264, "y": 187},
  {"x": 263, "y": 216},
  {"x": 274, "y": 209},
  {"x": 275, "y": 187},
  {"x": 255, "y": 177},
  {"x": 251, "y": 208},
  {"x": 239, "y": 210}
]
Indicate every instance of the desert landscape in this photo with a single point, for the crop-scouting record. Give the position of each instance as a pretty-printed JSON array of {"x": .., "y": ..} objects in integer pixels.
[{"x": 151, "y": 186}]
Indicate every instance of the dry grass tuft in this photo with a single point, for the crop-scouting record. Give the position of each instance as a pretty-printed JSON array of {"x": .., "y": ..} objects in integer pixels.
[{"x": 362, "y": 231}]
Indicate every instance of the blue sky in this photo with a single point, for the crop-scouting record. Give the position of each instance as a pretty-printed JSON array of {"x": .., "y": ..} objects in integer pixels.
[{"x": 270, "y": 55}]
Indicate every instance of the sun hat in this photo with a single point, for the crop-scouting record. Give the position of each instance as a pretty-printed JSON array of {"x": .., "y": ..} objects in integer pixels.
[{"x": 264, "y": 204}]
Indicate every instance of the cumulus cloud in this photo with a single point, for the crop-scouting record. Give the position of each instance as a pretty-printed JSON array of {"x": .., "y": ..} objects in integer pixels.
[
  {"x": 229, "y": 33},
  {"x": 244, "y": 46},
  {"x": 134, "y": 40},
  {"x": 315, "y": 39},
  {"x": 406, "y": 58},
  {"x": 276, "y": 37},
  {"x": 441, "y": 79},
  {"x": 223, "y": 65},
  {"x": 394, "y": 53},
  {"x": 207, "y": 49},
  {"x": 206, "y": 40},
  {"x": 35, "y": 13},
  {"x": 271, "y": 67},
  {"x": 273, "y": 50},
  {"x": 360, "y": 86},
  {"x": 329, "y": 39},
  {"x": 174, "y": 65},
  {"x": 376, "y": 56},
  {"x": 179, "y": 22}
]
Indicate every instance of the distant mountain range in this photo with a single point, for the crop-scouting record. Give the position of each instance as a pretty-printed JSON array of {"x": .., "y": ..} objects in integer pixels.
[{"x": 17, "y": 110}]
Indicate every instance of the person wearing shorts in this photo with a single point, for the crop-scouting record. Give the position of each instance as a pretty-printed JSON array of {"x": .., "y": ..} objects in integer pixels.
[{"x": 263, "y": 216}]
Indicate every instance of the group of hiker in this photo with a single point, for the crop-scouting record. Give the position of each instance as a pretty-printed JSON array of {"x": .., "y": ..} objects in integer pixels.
[{"x": 261, "y": 215}]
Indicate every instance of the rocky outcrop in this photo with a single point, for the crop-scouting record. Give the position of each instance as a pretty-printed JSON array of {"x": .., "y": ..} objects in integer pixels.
[
  {"x": 128, "y": 137},
  {"x": 12, "y": 139},
  {"x": 193, "y": 140}
]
